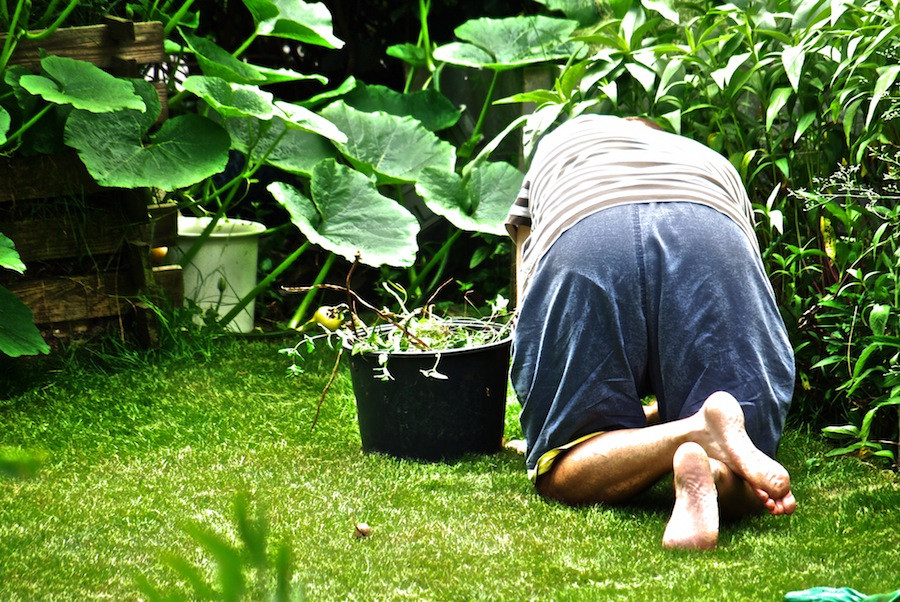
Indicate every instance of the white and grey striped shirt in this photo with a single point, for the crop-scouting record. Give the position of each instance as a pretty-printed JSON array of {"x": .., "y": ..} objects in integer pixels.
[{"x": 594, "y": 162}]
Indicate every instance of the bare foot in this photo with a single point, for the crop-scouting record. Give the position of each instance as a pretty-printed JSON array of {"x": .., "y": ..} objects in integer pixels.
[
  {"x": 725, "y": 439},
  {"x": 694, "y": 524}
]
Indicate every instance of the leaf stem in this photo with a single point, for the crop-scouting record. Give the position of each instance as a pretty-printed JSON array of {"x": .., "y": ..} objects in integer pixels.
[
  {"x": 263, "y": 285},
  {"x": 55, "y": 25},
  {"x": 437, "y": 257},
  {"x": 173, "y": 22},
  {"x": 245, "y": 45},
  {"x": 311, "y": 294},
  {"x": 334, "y": 371},
  {"x": 25, "y": 126},
  {"x": 466, "y": 149},
  {"x": 12, "y": 38}
]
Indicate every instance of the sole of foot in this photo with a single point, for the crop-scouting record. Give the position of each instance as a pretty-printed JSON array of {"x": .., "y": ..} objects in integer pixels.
[
  {"x": 726, "y": 440},
  {"x": 694, "y": 524}
]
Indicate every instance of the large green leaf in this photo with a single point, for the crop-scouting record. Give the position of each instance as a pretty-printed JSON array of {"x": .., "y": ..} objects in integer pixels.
[
  {"x": 478, "y": 203},
  {"x": 586, "y": 12},
  {"x": 295, "y": 20},
  {"x": 218, "y": 62},
  {"x": 408, "y": 53},
  {"x": 301, "y": 118},
  {"x": 275, "y": 76},
  {"x": 215, "y": 61},
  {"x": 508, "y": 43},
  {"x": 292, "y": 150},
  {"x": 466, "y": 55},
  {"x": 4, "y": 125},
  {"x": 9, "y": 257},
  {"x": 117, "y": 151},
  {"x": 81, "y": 85},
  {"x": 395, "y": 149},
  {"x": 348, "y": 217},
  {"x": 432, "y": 108},
  {"x": 18, "y": 334},
  {"x": 231, "y": 100}
]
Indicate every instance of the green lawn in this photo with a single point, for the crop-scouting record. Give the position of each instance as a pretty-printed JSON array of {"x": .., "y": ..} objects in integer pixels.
[{"x": 134, "y": 456}]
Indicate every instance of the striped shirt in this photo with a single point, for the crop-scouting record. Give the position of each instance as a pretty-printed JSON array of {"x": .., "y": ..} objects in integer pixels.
[{"x": 594, "y": 162}]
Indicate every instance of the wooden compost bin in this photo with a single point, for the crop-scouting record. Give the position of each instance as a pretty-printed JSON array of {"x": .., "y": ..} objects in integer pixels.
[{"x": 87, "y": 248}]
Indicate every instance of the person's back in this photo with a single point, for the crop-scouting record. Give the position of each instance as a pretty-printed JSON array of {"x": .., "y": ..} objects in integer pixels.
[{"x": 595, "y": 162}]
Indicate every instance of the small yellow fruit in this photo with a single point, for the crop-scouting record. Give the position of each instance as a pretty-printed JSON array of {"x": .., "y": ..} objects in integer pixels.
[
  {"x": 329, "y": 316},
  {"x": 158, "y": 255}
]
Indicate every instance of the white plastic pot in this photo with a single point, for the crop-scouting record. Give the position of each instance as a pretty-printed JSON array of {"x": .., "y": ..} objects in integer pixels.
[{"x": 224, "y": 269}]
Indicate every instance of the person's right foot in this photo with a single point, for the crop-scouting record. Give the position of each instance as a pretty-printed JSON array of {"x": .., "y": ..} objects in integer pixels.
[{"x": 725, "y": 439}]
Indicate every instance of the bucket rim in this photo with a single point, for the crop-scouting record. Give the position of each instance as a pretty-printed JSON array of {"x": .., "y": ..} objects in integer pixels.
[
  {"x": 190, "y": 226},
  {"x": 419, "y": 353}
]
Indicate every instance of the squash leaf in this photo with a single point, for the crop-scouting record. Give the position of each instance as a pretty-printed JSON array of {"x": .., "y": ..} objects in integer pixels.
[
  {"x": 294, "y": 20},
  {"x": 394, "y": 149},
  {"x": 501, "y": 44},
  {"x": 477, "y": 203},
  {"x": 18, "y": 334},
  {"x": 82, "y": 85},
  {"x": 432, "y": 108},
  {"x": 118, "y": 152},
  {"x": 349, "y": 217}
]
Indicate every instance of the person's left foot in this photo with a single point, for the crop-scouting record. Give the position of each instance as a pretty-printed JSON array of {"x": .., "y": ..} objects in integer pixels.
[{"x": 695, "y": 518}]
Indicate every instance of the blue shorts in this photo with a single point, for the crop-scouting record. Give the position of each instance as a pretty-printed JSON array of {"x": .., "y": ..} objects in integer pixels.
[{"x": 653, "y": 298}]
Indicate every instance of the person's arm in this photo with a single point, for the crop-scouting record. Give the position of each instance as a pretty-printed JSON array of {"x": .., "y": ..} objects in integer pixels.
[{"x": 522, "y": 233}]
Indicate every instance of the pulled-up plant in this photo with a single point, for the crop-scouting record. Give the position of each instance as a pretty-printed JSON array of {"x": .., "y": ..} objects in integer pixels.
[{"x": 359, "y": 326}]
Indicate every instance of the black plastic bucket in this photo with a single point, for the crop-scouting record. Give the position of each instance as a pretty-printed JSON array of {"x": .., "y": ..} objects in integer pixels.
[{"x": 426, "y": 418}]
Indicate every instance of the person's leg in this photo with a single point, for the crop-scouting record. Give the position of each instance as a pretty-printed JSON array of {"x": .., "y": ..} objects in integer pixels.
[
  {"x": 615, "y": 466},
  {"x": 579, "y": 352},
  {"x": 706, "y": 489},
  {"x": 714, "y": 323}
]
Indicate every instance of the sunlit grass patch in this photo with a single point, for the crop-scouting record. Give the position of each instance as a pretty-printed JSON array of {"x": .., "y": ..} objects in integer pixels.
[{"x": 132, "y": 458}]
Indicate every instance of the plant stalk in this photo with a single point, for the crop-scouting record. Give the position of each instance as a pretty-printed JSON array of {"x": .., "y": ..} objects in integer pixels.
[
  {"x": 12, "y": 38},
  {"x": 263, "y": 285},
  {"x": 435, "y": 259},
  {"x": 466, "y": 149},
  {"x": 173, "y": 22},
  {"x": 311, "y": 294},
  {"x": 55, "y": 25},
  {"x": 25, "y": 126},
  {"x": 245, "y": 45}
]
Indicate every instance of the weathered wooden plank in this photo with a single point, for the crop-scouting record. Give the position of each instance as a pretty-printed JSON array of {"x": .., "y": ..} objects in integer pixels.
[
  {"x": 59, "y": 229},
  {"x": 62, "y": 237},
  {"x": 44, "y": 176},
  {"x": 76, "y": 298},
  {"x": 97, "y": 44},
  {"x": 169, "y": 281}
]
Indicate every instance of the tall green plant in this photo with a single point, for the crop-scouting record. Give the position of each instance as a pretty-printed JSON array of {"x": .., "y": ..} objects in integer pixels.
[
  {"x": 244, "y": 571},
  {"x": 394, "y": 144}
]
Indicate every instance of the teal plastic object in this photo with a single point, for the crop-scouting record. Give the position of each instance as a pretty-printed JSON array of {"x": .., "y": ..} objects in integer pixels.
[{"x": 839, "y": 594}]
